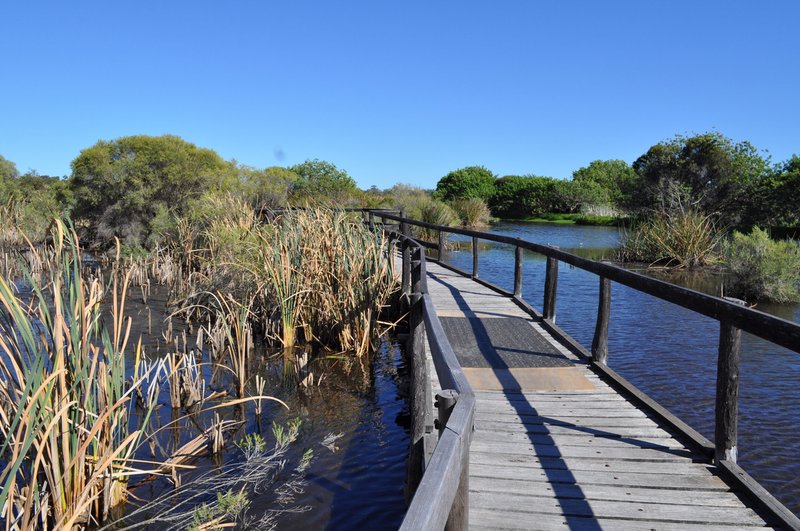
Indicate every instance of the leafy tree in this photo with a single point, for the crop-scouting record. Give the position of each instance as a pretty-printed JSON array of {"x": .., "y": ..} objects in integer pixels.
[
  {"x": 466, "y": 183},
  {"x": 710, "y": 171},
  {"x": 531, "y": 195},
  {"x": 267, "y": 188},
  {"x": 774, "y": 202},
  {"x": 578, "y": 196},
  {"x": 322, "y": 181},
  {"x": 121, "y": 185},
  {"x": 8, "y": 176},
  {"x": 508, "y": 197},
  {"x": 615, "y": 177}
]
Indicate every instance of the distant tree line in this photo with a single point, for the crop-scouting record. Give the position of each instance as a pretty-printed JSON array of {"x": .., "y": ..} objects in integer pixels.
[
  {"x": 731, "y": 181},
  {"x": 135, "y": 188}
]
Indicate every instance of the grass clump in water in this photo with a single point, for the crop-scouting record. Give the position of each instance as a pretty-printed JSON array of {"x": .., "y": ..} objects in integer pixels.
[
  {"x": 682, "y": 239},
  {"x": 473, "y": 212}
]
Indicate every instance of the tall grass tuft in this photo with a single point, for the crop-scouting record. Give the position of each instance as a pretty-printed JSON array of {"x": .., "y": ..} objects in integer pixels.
[
  {"x": 330, "y": 276},
  {"x": 64, "y": 399},
  {"x": 683, "y": 239},
  {"x": 473, "y": 212}
]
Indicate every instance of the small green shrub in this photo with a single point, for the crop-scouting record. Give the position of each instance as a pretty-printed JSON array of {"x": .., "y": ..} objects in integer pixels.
[{"x": 763, "y": 269}]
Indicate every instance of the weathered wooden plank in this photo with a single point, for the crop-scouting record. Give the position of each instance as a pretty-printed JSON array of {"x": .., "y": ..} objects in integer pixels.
[
  {"x": 606, "y": 492},
  {"x": 503, "y": 428},
  {"x": 589, "y": 422},
  {"x": 590, "y": 464},
  {"x": 634, "y": 454},
  {"x": 558, "y": 405},
  {"x": 563, "y": 412},
  {"x": 495, "y": 518},
  {"x": 551, "y": 397},
  {"x": 579, "y": 439},
  {"x": 633, "y": 479},
  {"x": 615, "y": 509}
]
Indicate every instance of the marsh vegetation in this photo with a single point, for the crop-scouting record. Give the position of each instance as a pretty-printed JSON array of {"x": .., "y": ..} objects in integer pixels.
[{"x": 100, "y": 424}]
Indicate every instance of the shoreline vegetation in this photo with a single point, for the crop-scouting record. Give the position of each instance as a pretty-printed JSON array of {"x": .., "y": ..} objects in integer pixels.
[
  {"x": 83, "y": 431},
  {"x": 81, "y": 419},
  {"x": 572, "y": 219}
]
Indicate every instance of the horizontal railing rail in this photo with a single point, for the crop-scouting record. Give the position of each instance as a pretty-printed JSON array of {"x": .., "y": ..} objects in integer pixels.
[
  {"x": 732, "y": 315},
  {"x": 775, "y": 329},
  {"x": 440, "y": 499}
]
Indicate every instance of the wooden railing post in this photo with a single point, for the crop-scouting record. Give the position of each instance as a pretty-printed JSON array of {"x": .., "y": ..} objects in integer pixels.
[
  {"x": 518, "y": 271},
  {"x": 550, "y": 288},
  {"x": 420, "y": 397},
  {"x": 371, "y": 221},
  {"x": 440, "y": 252},
  {"x": 726, "y": 411},
  {"x": 458, "y": 519},
  {"x": 406, "y": 278},
  {"x": 474, "y": 257},
  {"x": 600, "y": 340}
]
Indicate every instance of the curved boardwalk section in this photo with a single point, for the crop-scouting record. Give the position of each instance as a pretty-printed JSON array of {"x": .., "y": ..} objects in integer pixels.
[{"x": 556, "y": 447}]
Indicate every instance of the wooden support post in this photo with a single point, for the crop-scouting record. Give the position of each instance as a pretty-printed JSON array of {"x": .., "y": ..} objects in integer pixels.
[
  {"x": 371, "y": 221},
  {"x": 727, "y": 403},
  {"x": 440, "y": 252},
  {"x": 406, "y": 278},
  {"x": 420, "y": 397},
  {"x": 474, "y": 257},
  {"x": 518, "y": 271},
  {"x": 458, "y": 518},
  {"x": 550, "y": 288},
  {"x": 445, "y": 402},
  {"x": 600, "y": 340}
]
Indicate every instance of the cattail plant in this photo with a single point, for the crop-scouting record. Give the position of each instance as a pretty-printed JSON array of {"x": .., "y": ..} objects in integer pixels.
[{"x": 65, "y": 402}]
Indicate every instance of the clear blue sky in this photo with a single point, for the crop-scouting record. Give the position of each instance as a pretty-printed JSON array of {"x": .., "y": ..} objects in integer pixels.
[{"x": 398, "y": 91}]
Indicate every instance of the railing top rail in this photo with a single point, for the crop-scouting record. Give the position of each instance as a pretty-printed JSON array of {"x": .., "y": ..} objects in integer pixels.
[
  {"x": 431, "y": 504},
  {"x": 775, "y": 329}
]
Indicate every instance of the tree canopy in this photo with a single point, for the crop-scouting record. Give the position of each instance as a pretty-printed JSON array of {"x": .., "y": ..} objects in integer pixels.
[
  {"x": 8, "y": 173},
  {"x": 709, "y": 171},
  {"x": 121, "y": 185},
  {"x": 320, "y": 180},
  {"x": 466, "y": 183},
  {"x": 614, "y": 177}
]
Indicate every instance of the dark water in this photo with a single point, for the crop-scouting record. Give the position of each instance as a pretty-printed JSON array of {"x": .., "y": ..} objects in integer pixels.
[
  {"x": 667, "y": 351},
  {"x": 354, "y": 483},
  {"x": 360, "y": 485}
]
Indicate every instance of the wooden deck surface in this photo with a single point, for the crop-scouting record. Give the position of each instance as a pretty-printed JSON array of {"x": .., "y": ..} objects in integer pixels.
[{"x": 557, "y": 448}]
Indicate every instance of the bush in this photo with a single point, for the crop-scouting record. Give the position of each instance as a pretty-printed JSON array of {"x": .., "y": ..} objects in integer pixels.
[
  {"x": 120, "y": 186},
  {"x": 321, "y": 182},
  {"x": 466, "y": 183},
  {"x": 679, "y": 239},
  {"x": 763, "y": 269}
]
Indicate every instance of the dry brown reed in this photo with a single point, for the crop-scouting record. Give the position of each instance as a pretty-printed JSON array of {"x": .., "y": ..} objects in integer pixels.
[{"x": 64, "y": 419}]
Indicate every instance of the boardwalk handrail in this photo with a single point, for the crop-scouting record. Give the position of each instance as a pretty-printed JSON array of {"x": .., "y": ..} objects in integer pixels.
[
  {"x": 775, "y": 329},
  {"x": 441, "y": 495},
  {"x": 732, "y": 315}
]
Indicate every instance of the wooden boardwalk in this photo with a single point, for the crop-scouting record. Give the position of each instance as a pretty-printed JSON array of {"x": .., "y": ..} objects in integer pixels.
[{"x": 556, "y": 447}]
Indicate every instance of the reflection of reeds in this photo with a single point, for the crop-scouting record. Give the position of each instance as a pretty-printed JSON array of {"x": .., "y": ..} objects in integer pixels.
[{"x": 64, "y": 401}]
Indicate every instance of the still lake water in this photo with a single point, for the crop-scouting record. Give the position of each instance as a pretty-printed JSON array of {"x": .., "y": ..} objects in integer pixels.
[{"x": 665, "y": 350}]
